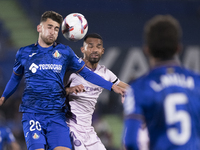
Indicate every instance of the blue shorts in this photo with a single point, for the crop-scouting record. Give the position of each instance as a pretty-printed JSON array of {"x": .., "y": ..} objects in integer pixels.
[{"x": 41, "y": 130}]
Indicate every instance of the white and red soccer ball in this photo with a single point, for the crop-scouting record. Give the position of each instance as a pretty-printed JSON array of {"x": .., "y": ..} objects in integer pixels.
[{"x": 74, "y": 27}]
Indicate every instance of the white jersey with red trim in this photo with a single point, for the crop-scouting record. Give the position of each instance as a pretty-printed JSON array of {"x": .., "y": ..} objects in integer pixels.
[{"x": 83, "y": 104}]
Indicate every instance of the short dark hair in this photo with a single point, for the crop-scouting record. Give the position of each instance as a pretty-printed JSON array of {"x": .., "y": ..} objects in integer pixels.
[
  {"x": 52, "y": 15},
  {"x": 93, "y": 35},
  {"x": 162, "y": 35}
]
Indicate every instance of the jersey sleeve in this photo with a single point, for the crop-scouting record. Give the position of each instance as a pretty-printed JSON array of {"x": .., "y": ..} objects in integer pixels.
[
  {"x": 112, "y": 77},
  {"x": 133, "y": 120},
  {"x": 130, "y": 134},
  {"x": 18, "y": 69},
  {"x": 76, "y": 63}
]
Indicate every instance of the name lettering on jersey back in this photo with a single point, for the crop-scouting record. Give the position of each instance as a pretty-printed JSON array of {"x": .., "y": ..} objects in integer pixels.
[
  {"x": 54, "y": 67},
  {"x": 173, "y": 80}
]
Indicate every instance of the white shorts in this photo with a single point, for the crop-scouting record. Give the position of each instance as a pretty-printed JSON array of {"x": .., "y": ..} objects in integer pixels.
[{"x": 84, "y": 138}]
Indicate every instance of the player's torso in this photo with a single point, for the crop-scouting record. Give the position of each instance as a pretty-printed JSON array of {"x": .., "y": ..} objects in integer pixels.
[
  {"x": 171, "y": 106},
  {"x": 44, "y": 69},
  {"x": 43, "y": 64},
  {"x": 83, "y": 104}
]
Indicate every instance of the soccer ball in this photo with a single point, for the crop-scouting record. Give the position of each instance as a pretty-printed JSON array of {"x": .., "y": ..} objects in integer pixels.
[{"x": 74, "y": 27}]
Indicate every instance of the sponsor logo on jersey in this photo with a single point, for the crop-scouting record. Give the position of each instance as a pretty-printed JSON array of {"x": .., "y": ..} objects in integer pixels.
[
  {"x": 33, "y": 68},
  {"x": 54, "y": 67},
  {"x": 36, "y": 136},
  {"x": 56, "y": 54}
]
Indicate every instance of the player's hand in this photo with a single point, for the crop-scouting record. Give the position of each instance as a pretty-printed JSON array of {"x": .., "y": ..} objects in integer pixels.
[
  {"x": 2, "y": 99},
  {"x": 118, "y": 90},
  {"x": 122, "y": 99},
  {"x": 75, "y": 89}
]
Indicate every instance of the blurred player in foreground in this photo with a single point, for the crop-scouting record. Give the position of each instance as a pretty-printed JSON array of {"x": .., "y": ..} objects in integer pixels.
[
  {"x": 7, "y": 139},
  {"x": 168, "y": 97},
  {"x": 82, "y": 95},
  {"x": 44, "y": 65}
]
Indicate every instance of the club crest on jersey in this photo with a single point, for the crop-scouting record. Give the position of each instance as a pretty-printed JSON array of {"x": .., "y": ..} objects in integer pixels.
[
  {"x": 36, "y": 136},
  {"x": 56, "y": 54}
]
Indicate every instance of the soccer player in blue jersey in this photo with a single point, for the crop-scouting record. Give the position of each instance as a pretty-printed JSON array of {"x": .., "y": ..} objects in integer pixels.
[
  {"x": 43, "y": 66},
  {"x": 167, "y": 98},
  {"x": 7, "y": 139}
]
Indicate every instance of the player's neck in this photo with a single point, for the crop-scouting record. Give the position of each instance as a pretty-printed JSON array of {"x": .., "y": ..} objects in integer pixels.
[
  {"x": 90, "y": 65},
  {"x": 43, "y": 44},
  {"x": 156, "y": 62}
]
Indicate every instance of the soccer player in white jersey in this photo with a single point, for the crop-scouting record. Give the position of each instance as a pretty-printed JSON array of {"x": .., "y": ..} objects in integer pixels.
[{"x": 82, "y": 95}]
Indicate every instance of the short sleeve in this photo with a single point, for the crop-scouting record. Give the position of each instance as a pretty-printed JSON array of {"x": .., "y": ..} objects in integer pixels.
[{"x": 113, "y": 78}]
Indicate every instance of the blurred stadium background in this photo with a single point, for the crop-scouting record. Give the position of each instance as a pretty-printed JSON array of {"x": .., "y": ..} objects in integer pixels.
[{"x": 120, "y": 23}]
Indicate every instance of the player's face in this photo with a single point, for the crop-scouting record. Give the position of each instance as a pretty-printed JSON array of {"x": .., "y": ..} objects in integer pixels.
[
  {"x": 48, "y": 31},
  {"x": 92, "y": 50}
]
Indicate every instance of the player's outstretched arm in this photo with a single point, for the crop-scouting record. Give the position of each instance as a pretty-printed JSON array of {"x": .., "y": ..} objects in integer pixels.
[
  {"x": 75, "y": 89},
  {"x": 118, "y": 90},
  {"x": 95, "y": 79},
  {"x": 123, "y": 85}
]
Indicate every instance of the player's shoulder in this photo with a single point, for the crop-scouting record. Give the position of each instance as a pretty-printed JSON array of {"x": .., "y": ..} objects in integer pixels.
[
  {"x": 27, "y": 48},
  {"x": 101, "y": 67},
  {"x": 191, "y": 72},
  {"x": 63, "y": 48},
  {"x": 140, "y": 81}
]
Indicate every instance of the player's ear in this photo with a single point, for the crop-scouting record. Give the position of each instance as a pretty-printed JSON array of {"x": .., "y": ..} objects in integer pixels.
[
  {"x": 39, "y": 28},
  {"x": 103, "y": 50},
  {"x": 82, "y": 49}
]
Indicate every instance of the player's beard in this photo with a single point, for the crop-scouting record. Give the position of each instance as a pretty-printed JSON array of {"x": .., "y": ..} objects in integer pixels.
[
  {"x": 48, "y": 40},
  {"x": 93, "y": 60}
]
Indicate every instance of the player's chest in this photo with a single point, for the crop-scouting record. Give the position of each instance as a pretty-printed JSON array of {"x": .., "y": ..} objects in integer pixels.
[{"x": 51, "y": 60}]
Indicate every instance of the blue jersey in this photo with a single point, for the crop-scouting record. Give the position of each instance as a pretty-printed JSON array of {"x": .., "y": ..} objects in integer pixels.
[
  {"x": 168, "y": 98},
  {"x": 44, "y": 70},
  {"x": 6, "y": 137}
]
